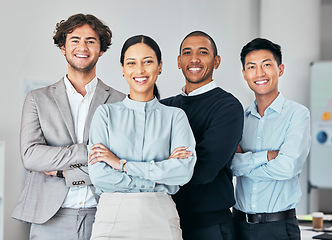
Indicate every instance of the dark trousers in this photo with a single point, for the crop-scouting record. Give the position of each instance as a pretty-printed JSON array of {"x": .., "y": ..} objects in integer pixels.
[
  {"x": 223, "y": 231},
  {"x": 286, "y": 229}
]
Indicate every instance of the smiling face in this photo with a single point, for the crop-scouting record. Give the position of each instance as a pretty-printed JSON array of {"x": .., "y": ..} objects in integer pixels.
[
  {"x": 82, "y": 50},
  {"x": 261, "y": 71},
  {"x": 141, "y": 70},
  {"x": 197, "y": 61}
]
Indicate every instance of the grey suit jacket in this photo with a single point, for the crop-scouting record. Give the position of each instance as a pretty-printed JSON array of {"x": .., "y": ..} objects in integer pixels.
[{"x": 48, "y": 143}]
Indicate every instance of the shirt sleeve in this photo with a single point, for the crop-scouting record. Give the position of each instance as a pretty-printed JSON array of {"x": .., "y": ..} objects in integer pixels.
[
  {"x": 292, "y": 153},
  {"x": 170, "y": 171},
  {"x": 244, "y": 163},
  {"x": 104, "y": 177}
]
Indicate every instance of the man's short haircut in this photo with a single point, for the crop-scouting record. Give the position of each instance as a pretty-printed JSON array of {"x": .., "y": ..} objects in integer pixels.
[
  {"x": 201, "y": 34},
  {"x": 65, "y": 27},
  {"x": 261, "y": 44}
]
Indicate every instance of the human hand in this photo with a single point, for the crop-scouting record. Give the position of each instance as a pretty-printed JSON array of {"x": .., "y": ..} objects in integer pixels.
[
  {"x": 180, "y": 153},
  {"x": 51, "y": 173},
  {"x": 54, "y": 173},
  {"x": 272, "y": 155},
  {"x": 100, "y": 153}
]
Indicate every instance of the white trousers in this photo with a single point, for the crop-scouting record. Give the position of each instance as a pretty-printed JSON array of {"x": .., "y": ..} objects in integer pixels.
[{"x": 136, "y": 216}]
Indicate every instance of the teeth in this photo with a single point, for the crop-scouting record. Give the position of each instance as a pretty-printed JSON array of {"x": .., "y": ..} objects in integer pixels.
[
  {"x": 194, "y": 69},
  {"x": 261, "y": 82},
  {"x": 140, "y": 79},
  {"x": 81, "y": 56}
]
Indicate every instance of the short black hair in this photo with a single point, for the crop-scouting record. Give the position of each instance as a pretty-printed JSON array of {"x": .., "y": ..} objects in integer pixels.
[
  {"x": 202, "y": 34},
  {"x": 261, "y": 44}
]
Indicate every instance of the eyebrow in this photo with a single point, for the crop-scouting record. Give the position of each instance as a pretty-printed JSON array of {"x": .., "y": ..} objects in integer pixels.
[
  {"x": 188, "y": 48},
  {"x": 130, "y": 58},
  {"x": 88, "y": 38},
  {"x": 265, "y": 60}
]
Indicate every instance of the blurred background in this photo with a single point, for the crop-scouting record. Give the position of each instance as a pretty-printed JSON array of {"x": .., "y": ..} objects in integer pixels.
[{"x": 29, "y": 59}]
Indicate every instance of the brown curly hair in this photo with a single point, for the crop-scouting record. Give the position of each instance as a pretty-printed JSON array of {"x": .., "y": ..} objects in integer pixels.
[{"x": 78, "y": 20}]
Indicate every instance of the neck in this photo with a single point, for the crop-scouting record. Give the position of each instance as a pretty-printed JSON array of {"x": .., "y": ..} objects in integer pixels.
[
  {"x": 263, "y": 102},
  {"x": 79, "y": 80},
  {"x": 141, "y": 97},
  {"x": 193, "y": 86}
]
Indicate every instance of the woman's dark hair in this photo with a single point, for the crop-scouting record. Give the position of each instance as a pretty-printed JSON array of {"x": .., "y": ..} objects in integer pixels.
[
  {"x": 148, "y": 41},
  {"x": 78, "y": 20},
  {"x": 261, "y": 44}
]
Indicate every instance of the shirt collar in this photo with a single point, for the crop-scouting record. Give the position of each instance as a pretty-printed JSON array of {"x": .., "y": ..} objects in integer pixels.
[
  {"x": 276, "y": 106},
  {"x": 141, "y": 106},
  {"x": 89, "y": 88},
  {"x": 205, "y": 88}
]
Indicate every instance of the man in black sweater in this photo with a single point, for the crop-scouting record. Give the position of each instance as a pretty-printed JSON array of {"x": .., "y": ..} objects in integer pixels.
[{"x": 216, "y": 118}]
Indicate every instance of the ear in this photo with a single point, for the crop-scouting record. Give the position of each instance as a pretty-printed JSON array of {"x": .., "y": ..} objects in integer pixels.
[
  {"x": 101, "y": 54},
  {"x": 217, "y": 61},
  {"x": 160, "y": 67},
  {"x": 281, "y": 69},
  {"x": 63, "y": 50},
  {"x": 179, "y": 62},
  {"x": 244, "y": 74},
  {"x": 122, "y": 70}
]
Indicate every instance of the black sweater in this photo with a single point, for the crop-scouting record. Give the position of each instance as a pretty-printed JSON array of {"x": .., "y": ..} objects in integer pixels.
[{"x": 216, "y": 118}]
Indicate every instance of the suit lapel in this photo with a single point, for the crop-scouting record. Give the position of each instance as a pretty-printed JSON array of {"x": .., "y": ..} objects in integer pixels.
[
  {"x": 61, "y": 99},
  {"x": 100, "y": 96}
]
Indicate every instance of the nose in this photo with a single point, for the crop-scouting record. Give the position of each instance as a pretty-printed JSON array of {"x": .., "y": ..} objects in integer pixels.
[
  {"x": 140, "y": 68},
  {"x": 83, "y": 45},
  {"x": 260, "y": 71},
  {"x": 195, "y": 58}
]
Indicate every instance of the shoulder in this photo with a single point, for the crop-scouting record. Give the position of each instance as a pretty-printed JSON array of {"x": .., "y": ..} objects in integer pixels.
[
  {"x": 225, "y": 102},
  {"x": 295, "y": 108},
  {"x": 171, "y": 100},
  {"x": 47, "y": 91}
]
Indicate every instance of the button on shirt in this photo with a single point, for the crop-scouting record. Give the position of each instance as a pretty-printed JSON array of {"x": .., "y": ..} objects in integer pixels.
[
  {"x": 271, "y": 186},
  {"x": 80, "y": 196}
]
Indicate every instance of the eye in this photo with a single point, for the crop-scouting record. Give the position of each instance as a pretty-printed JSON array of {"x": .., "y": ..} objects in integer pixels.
[
  {"x": 204, "y": 52},
  {"x": 148, "y": 61},
  {"x": 251, "y": 67},
  {"x": 90, "y": 42},
  {"x": 130, "y": 63},
  {"x": 185, "y": 53}
]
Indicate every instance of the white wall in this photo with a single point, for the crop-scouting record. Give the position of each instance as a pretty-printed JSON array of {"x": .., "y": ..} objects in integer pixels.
[{"x": 28, "y": 52}]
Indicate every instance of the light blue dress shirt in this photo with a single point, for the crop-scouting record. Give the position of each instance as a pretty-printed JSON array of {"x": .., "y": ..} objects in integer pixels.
[
  {"x": 271, "y": 186},
  {"x": 145, "y": 134}
]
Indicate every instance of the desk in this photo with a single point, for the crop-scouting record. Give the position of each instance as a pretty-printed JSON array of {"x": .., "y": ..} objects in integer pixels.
[{"x": 306, "y": 229}]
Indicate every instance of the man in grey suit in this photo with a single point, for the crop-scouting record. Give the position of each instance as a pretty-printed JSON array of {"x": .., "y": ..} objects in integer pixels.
[{"x": 58, "y": 198}]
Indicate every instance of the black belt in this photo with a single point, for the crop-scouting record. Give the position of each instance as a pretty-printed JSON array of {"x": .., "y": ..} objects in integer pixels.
[{"x": 263, "y": 217}]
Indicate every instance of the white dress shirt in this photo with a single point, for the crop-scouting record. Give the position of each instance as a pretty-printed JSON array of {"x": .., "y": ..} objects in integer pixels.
[
  {"x": 81, "y": 196},
  {"x": 203, "y": 89}
]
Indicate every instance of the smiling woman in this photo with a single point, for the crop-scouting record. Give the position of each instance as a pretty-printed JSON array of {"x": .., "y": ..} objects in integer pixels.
[{"x": 141, "y": 153}]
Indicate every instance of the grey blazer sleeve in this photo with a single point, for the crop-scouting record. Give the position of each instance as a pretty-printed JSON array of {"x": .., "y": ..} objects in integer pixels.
[{"x": 45, "y": 142}]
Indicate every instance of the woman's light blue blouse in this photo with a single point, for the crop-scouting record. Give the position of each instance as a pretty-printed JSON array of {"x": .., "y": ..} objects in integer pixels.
[{"x": 145, "y": 134}]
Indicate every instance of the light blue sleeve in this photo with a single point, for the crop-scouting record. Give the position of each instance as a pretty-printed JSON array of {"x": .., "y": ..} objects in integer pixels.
[
  {"x": 292, "y": 153},
  {"x": 170, "y": 171},
  {"x": 104, "y": 177},
  {"x": 244, "y": 163}
]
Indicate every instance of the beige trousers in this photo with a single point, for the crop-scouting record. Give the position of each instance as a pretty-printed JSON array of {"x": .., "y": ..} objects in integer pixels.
[{"x": 136, "y": 216}]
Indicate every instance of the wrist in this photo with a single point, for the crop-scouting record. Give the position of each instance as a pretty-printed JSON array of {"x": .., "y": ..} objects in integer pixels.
[{"x": 122, "y": 163}]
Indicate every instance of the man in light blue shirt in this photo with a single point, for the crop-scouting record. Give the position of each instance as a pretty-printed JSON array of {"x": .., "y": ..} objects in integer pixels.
[{"x": 274, "y": 146}]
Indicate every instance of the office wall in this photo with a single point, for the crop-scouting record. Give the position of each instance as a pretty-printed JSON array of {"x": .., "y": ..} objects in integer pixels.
[{"x": 28, "y": 54}]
